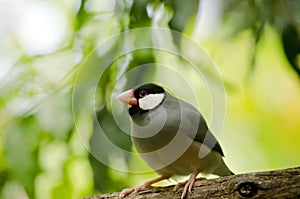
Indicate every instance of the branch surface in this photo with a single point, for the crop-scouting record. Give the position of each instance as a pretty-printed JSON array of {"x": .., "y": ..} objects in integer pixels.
[{"x": 269, "y": 184}]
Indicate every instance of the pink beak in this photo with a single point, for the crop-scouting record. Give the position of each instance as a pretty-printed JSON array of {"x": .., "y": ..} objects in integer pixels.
[{"x": 127, "y": 97}]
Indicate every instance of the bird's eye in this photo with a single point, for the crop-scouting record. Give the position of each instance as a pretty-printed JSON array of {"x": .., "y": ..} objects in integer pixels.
[{"x": 142, "y": 93}]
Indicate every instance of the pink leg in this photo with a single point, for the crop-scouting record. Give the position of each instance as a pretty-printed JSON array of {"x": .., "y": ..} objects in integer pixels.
[
  {"x": 179, "y": 184},
  {"x": 143, "y": 186},
  {"x": 189, "y": 185}
]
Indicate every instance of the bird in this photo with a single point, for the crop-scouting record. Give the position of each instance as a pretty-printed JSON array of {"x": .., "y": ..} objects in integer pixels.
[{"x": 171, "y": 136}]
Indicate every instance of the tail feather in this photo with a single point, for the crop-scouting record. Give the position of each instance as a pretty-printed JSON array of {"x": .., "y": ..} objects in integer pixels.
[{"x": 223, "y": 170}]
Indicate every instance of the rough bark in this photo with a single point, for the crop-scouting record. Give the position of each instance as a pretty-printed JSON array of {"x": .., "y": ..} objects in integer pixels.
[{"x": 270, "y": 184}]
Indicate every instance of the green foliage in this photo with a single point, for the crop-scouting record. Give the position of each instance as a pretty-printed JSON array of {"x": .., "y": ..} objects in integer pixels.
[
  {"x": 43, "y": 155},
  {"x": 21, "y": 152}
]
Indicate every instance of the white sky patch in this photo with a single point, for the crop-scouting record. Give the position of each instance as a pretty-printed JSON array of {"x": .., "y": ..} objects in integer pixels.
[
  {"x": 151, "y": 101},
  {"x": 40, "y": 27}
]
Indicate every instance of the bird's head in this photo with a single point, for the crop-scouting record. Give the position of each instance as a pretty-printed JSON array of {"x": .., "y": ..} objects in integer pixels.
[{"x": 145, "y": 97}]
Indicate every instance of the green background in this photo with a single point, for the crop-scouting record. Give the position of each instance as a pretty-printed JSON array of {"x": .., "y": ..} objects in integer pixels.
[{"x": 48, "y": 63}]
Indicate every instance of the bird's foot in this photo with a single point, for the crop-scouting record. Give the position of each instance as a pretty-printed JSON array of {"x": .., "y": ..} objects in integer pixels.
[
  {"x": 144, "y": 186},
  {"x": 128, "y": 191},
  {"x": 188, "y": 185},
  {"x": 179, "y": 184}
]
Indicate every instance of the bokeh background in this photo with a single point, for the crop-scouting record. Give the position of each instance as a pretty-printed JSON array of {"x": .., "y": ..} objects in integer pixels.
[{"x": 46, "y": 47}]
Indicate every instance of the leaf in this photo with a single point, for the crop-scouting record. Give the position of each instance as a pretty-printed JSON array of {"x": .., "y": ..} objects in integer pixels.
[
  {"x": 183, "y": 12},
  {"x": 138, "y": 14},
  {"x": 21, "y": 152},
  {"x": 291, "y": 46},
  {"x": 4, "y": 175},
  {"x": 99, "y": 150},
  {"x": 61, "y": 191}
]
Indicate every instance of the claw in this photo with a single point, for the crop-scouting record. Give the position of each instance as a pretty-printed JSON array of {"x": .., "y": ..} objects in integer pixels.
[
  {"x": 146, "y": 185},
  {"x": 126, "y": 192},
  {"x": 178, "y": 185},
  {"x": 188, "y": 185}
]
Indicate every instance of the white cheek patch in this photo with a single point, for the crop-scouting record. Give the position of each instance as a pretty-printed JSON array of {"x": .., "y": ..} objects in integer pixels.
[{"x": 151, "y": 101}]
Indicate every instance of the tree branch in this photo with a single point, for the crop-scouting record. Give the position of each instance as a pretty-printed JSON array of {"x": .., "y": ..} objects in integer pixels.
[{"x": 270, "y": 184}]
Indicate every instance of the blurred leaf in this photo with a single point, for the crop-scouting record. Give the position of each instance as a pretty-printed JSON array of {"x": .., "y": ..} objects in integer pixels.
[
  {"x": 291, "y": 46},
  {"x": 99, "y": 148},
  {"x": 122, "y": 10},
  {"x": 183, "y": 13},
  {"x": 4, "y": 175},
  {"x": 138, "y": 14},
  {"x": 61, "y": 191},
  {"x": 112, "y": 130},
  {"x": 81, "y": 183},
  {"x": 54, "y": 116},
  {"x": 21, "y": 152},
  {"x": 102, "y": 180},
  {"x": 81, "y": 15}
]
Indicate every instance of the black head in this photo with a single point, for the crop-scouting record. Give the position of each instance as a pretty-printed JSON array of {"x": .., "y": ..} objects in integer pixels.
[
  {"x": 147, "y": 89},
  {"x": 143, "y": 98},
  {"x": 141, "y": 92}
]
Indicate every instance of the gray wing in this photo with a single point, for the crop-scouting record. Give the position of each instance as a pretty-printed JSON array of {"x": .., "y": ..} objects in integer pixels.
[{"x": 203, "y": 134}]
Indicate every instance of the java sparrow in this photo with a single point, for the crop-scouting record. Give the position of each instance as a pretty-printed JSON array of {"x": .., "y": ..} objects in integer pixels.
[{"x": 171, "y": 136}]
